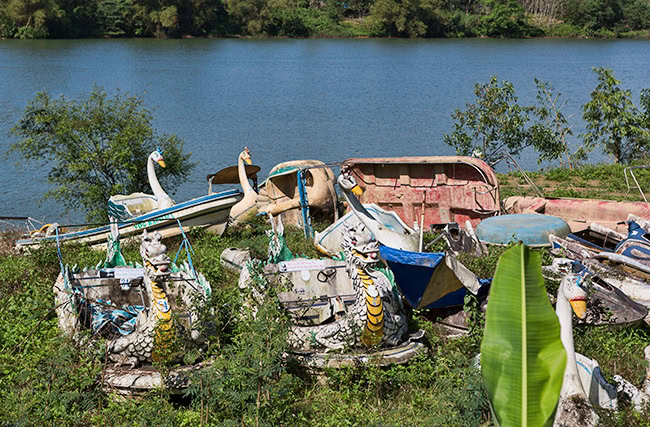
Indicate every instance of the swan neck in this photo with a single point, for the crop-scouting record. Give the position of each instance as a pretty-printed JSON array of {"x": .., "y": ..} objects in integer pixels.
[
  {"x": 243, "y": 179},
  {"x": 361, "y": 212},
  {"x": 153, "y": 181},
  {"x": 571, "y": 384}
]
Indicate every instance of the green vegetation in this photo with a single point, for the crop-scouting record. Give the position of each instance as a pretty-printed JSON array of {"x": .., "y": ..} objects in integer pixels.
[
  {"x": 602, "y": 181},
  {"x": 326, "y": 18},
  {"x": 522, "y": 356},
  {"x": 496, "y": 124},
  {"x": 45, "y": 379},
  {"x": 96, "y": 147}
]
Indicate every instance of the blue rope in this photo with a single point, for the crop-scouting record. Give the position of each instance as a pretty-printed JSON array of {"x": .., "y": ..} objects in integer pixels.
[
  {"x": 304, "y": 204},
  {"x": 185, "y": 244}
]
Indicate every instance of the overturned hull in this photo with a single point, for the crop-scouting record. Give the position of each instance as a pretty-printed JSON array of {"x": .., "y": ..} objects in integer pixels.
[
  {"x": 579, "y": 213},
  {"x": 446, "y": 188}
]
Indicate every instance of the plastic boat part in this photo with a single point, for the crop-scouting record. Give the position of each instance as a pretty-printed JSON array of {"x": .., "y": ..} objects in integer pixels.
[
  {"x": 447, "y": 188},
  {"x": 532, "y": 229},
  {"x": 431, "y": 280},
  {"x": 329, "y": 240}
]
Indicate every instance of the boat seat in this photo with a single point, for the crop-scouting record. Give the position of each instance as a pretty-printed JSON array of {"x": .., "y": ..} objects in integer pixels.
[{"x": 134, "y": 204}]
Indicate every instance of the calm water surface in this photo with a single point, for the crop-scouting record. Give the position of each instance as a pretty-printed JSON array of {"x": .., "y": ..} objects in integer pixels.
[{"x": 295, "y": 99}]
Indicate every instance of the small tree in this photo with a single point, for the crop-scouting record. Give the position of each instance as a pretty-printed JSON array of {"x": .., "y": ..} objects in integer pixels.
[
  {"x": 496, "y": 122},
  {"x": 96, "y": 147},
  {"x": 613, "y": 121},
  {"x": 549, "y": 113}
]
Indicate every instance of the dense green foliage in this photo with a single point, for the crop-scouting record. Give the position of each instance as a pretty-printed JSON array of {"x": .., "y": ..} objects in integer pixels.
[
  {"x": 496, "y": 124},
  {"x": 323, "y": 18},
  {"x": 45, "y": 379},
  {"x": 96, "y": 147},
  {"x": 613, "y": 121}
]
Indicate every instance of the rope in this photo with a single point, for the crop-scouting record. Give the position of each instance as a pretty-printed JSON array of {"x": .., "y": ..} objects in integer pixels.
[{"x": 185, "y": 244}]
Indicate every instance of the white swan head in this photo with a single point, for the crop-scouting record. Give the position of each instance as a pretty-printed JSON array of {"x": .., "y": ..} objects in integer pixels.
[
  {"x": 157, "y": 157},
  {"x": 349, "y": 183},
  {"x": 574, "y": 289},
  {"x": 246, "y": 156}
]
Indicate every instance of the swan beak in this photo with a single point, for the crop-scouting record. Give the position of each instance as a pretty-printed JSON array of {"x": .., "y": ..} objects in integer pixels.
[
  {"x": 357, "y": 191},
  {"x": 162, "y": 164},
  {"x": 579, "y": 306},
  {"x": 248, "y": 161}
]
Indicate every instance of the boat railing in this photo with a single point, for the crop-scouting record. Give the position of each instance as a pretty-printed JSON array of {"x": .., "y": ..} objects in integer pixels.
[{"x": 636, "y": 182}]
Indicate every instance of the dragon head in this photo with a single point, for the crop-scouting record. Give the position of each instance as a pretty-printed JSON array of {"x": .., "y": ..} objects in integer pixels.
[
  {"x": 359, "y": 245},
  {"x": 154, "y": 256}
]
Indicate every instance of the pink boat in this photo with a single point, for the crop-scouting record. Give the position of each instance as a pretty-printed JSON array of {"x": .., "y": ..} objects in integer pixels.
[
  {"x": 447, "y": 188},
  {"x": 580, "y": 213}
]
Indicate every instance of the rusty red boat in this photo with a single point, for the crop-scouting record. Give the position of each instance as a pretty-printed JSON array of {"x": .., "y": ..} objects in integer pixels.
[{"x": 444, "y": 188}]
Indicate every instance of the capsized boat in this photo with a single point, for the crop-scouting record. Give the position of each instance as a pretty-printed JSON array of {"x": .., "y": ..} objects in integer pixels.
[
  {"x": 158, "y": 212},
  {"x": 579, "y": 213},
  {"x": 432, "y": 280},
  {"x": 447, "y": 188}
]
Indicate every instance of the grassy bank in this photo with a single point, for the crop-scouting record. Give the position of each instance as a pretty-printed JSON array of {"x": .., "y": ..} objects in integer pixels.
[
  {"x": 601, "y": 181},
  {"x": 46, "y": 379}
]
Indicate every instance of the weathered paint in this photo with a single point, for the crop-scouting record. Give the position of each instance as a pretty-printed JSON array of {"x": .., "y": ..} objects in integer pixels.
[
  {"x": 579, "y": 213},
  {"x": 451, "y": 188},
  {"x": 532, "y": 229}
]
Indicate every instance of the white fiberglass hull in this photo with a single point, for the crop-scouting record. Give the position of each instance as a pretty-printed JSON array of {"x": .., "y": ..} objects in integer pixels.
[{"x": 210, "y": 211}]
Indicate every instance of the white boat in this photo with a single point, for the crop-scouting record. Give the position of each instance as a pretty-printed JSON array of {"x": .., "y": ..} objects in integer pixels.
[{"x": 158, "y": 212}]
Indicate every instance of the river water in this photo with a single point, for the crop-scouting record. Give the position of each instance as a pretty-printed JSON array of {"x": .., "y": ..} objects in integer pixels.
[{"x": 295, "y": 99}]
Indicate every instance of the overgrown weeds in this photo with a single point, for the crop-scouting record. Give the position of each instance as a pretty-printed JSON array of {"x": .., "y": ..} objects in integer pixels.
[{"x": 46, "y": 379}]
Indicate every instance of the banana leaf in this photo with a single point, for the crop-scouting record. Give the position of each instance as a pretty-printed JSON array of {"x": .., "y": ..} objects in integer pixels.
[{"x": 522, "y": 357}]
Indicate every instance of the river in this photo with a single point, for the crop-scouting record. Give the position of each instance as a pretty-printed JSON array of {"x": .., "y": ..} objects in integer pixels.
[{"x": 295, "y": 99}]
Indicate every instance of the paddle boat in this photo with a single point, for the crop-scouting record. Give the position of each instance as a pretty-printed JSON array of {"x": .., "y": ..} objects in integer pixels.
[
  {"x": 342, "y": 312},
  {"x": 426, "y": 280},
  {"x": 147, "y": 312},
  {"x": 154, "y": 212},
  {"x": 428, "y": 190}
]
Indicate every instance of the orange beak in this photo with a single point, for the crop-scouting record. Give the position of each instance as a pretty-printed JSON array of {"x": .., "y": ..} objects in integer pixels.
[
  {"x": 579, "y": 306},
  {"x": 161, "y": 162},
  {"x": 357, "y": 191}
]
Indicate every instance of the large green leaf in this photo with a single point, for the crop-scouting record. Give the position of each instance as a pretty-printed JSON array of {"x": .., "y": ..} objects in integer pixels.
[{"x": 522, "y": 357}]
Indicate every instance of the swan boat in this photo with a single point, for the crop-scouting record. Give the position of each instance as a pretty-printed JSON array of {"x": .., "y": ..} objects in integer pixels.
[{"x": 158, "y": 212}]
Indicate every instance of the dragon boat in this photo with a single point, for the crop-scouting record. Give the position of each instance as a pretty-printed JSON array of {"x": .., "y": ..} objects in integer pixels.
[
  {"x": 147, "y": 312},
  {"x": 343, "y": 312}
]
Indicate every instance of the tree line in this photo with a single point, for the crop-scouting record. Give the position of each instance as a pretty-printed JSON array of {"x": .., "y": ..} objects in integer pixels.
[{"x": 321, "y": 18}]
